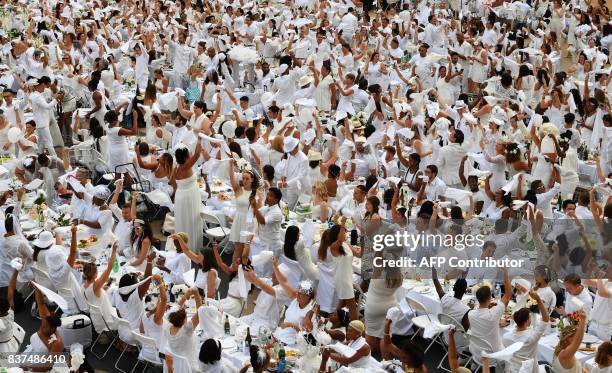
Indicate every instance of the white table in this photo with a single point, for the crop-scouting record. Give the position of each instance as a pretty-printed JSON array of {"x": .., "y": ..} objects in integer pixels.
[
  {"x": 547, "y": 344},
  {"x": 588, "y": 169}
]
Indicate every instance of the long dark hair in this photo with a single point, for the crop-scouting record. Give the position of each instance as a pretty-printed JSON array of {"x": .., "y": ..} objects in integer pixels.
[
  {"x": 147, "y": 232},
  {"x": 208, "y": 260},
  {"x": 292, "y": 236}
]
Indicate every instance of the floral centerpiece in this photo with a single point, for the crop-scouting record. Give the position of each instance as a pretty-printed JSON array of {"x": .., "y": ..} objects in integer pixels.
[
  {"x": 532, "y": 305},
  {"x": 360, "y": 119},
  {"x": 130, "y": 82},
  {"x": 62, "y": 220}
]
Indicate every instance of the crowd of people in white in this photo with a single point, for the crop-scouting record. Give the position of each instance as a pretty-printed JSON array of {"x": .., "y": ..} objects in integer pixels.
[{"x": 171, "y": 168}]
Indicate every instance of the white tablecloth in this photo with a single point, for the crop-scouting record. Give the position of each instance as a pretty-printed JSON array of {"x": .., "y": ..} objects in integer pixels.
[{"x": 589, "y": 170}]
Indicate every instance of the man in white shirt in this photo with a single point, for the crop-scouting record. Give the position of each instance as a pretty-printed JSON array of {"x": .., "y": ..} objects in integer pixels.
[
  {"x": 366, "y": 162},
  {"x": 485, "y": 320},
  {"x": 12, "y": 109},
  {"x": 42, "y": 111},
  {"x": 577, "y": 296},
  {"x": 452, "y": 305},
  {"x": 258, "y": 146},
  {"x": 181, "y": 60},
  {"x": 354, "y": 206},
  {"x": 123, "y": 214},
  {"x": 269, "y": 218},
  {"x": 292, "y": 171},
  {"x": 433, "y": 187},
  {"x": 449, "y": 160},
  {"x": 523, "y": 333}
]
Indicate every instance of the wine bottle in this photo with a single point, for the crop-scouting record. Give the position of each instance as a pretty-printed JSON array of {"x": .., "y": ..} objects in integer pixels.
[
  {"x": 248, "y": 339},
  {"x": 226, "y": 326}
]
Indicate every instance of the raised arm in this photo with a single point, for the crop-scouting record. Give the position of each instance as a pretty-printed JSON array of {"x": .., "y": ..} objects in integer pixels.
[
  {"x": 282, "y": 280},
  {"x": 101, "y": 280},
  {"x": 142, "y": 289},
  {"x": 567, "y": 355},
  {"x": 436, "y": 281},
  {"x": 73, "y": 245},
  {"x": 196, "y": 258},
  {"x": 507, "y": 286}
]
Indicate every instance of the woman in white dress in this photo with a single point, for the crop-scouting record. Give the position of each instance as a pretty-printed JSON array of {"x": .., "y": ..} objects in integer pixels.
[
  {"x": 243, "y": 219},
  {"x": 187, "y": 200},
  {"x": 301, "y": 303},
  {"x": 380, "y": 298},
  {"x": 498, "y": 209},
  {"x": 179, "y": 337},
  {"x": 207, "y": 279},
  {"x": 498, "y": 166},
  {"x": 160, "y": 171},
  {"x": 342, "y": 255},
  {"x": 142, "y": 242},
  {"x": 347, "y": 89},
  {"x": 234, "y": 303},
  {"x": 320, "y": 208},
  {"x": 480, "y": 67},
  {"x": 354, "y": 339},
  {"x": 8, "y": 340},
  {"x": 118, "y": 146},
  {"x": 46, "y": 339},
  {"x": 129, "y": 297},
  {"x": 152, "y": 323},
  {"x": 564, "y": 358},
  {"x": 95, "y": 291},
  {"x": 326, "y": 287},
  {"x": 569, "y": 164}
]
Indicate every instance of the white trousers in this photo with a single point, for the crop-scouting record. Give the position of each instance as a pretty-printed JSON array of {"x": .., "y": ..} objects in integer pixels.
[{"x": 44, "y": 140}]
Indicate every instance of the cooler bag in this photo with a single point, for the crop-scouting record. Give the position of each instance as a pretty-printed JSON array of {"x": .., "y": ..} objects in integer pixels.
[{"x": 76, "y": 329}]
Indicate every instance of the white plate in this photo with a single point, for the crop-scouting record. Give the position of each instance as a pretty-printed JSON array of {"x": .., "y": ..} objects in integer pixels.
[
  {"x": 28, "y": 225},
  {"x": 228, "y": 344},
  {"x": 422, "y": 289},
  {"x": 589, "y": 339}
]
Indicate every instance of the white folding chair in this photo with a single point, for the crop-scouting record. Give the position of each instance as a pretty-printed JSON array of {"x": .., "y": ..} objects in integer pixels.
[
  {"x": 68, "y": 295},
  {"x": 459, "y": 330},
  {"x": 218, "y": 233},
  {"x": 18, "y": 333},
  {"x": 180, "y": 364},
  {"x": 98, "y": 319},
  {"x": 41, "y": 277},
  {"x": 126, "y": 335},
  {"x": 422, "y": 321},
  {"x": 151, "y": 343},
  {"x": 478, "y": 345}
]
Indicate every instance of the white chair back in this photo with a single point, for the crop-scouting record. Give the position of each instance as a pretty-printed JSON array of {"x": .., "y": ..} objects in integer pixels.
[
  {"x": 96, "y": 318},
  {"x": 477, "y": 345},
  {"x": 210, "y": 218},
  {"x": 42, "y": 277},
  {"x": 125, "y": 331},
  {"x": 449, "y": 320},
  {"x": 148, "y": 344},
  {"x": 180, "y": 364},
  {"x": 416, "y": 305},
  {"x": 18, "y": 333},
  {"x": 68, "y": 295}
]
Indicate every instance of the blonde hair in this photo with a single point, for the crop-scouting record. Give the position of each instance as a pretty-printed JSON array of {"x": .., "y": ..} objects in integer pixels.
[
  {"x": 184, "y": 236},
  {"x": 567, "y": 334},
  {"x": 89, "y": 271},
  {"x": 277, "y": 143},
  {"x": 321, "y": 190}
]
